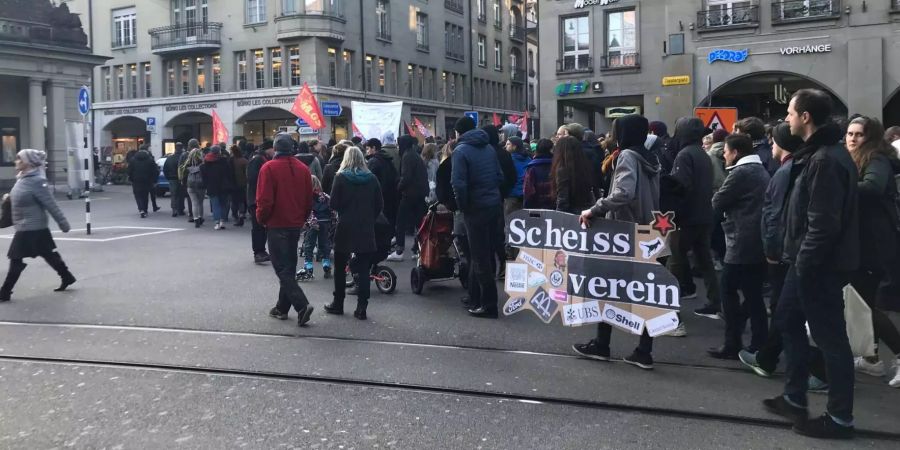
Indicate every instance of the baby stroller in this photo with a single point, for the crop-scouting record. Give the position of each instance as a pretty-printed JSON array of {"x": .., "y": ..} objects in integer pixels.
[
  {"x": 384, "y": 277},
  {"x": 436, "y": 260}
]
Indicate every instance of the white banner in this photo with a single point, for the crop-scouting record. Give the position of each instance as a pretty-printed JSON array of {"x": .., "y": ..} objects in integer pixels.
[{"x": 373, "y": 120}]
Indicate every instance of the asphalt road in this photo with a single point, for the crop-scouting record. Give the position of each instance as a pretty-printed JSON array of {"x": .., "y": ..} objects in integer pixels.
[{"x": 168, "y": 330}]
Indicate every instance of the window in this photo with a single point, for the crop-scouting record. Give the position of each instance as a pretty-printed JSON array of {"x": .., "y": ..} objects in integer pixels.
[
  {"x": 148, "y": 77},
  {"x": 348, "y": 69},
  {"x": 217, "y": 73},
  {"x": 729, "y": 12},
  {"x": 368, "y": 74},
  {"x": 420, "y": 82},
  {"x": 531, "y": 72},
  {"x": 276, "y": 67},
  {"x": 190, "y": 16},
  {"x": 454, "y": 41},
  {"x": 482, "y": 11},
  {"x": 241, "y": 58},
  {"x": 170, "y": 78},
  {"x": 421, "y": 31},
  {"x": 444, "y": 88},
  {"x": 482, "y": 50},
  {"x": 576, "y": 43},
  {"x": 383, "y": 19},
  {"x": 382, "y": 67},
  {"x": 185, "y": 76},
  {"x": 289, "y": 7},
  {"x": 294, "y": 55},
  {"x": 120, "y": 82},
  {"x": 410, "y": 79},
  {"x": 132, "y": 78},
  {"x": 201, "y": 74},
  {"x": 204, "y": 11},
  {"x": 107, "y": 84},
  {"x": 498, "y": 55},
  {"x": 498, "y": 15},
  {"x": 621, "y": 42},
  {"x": 124, "y": 33},
  {"x": 332, "y": 67},
  {"x": 256, "y": 11},
  {"x": 259, "y": 68},
  {"x": 395, "y": 77}
]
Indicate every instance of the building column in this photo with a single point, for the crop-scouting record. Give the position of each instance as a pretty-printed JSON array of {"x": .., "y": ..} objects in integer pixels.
[
  {"x": 36, "y": 114},
  {"x": 57, "y": 155}
]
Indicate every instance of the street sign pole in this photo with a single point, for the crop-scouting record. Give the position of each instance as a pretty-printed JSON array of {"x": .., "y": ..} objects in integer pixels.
[{"x": 84, "y": 107}]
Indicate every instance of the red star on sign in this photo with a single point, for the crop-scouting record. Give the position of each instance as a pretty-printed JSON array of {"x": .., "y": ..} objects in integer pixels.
[{"x": 663, "y": 222}]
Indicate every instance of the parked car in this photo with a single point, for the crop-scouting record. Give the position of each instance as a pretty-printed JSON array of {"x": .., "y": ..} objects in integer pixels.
[{"x": 162, "y": 184}]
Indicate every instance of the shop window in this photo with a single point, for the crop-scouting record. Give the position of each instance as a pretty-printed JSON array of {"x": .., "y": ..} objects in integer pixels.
[
  {"x": 348, "y": 69},
  {"x": 120, "y": 82},
  {"x": 9, "y": 140},
  {"x": 259, "y": 65},
  {"x": 148, "y": 78},
  {"x": 332, "y": 67},
  {"x": 201, "y": 75},
  {"x": 382, "y": 67},
  {"x": 170, "y": 78},
  {"x": 133, "y": 78},
  {"x": 107, "y": 84},
  {"x": 368, "y": 73},
  {"x": 185, "y": 76}
]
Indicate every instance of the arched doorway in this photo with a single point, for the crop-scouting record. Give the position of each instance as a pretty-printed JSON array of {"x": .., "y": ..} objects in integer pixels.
[
  {"x": 191, "y": 125},
  {"x": 122, "y": 135},
  {"x": 891, "y": 113},
  {"x": 766, "y": 94},
  {"x": 264, "y": 123}
]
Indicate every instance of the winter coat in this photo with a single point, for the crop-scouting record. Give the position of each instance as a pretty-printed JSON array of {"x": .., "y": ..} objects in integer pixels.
[
  {"x": 170, "y": 167},
  {"x": 476, "y": 176},
  {"x": 773, "y": 206},
  {"x": 564, "y": 200},
  {"x": 520, "y": 161},
  {"x": 381, "y": 165},
  {"x": 764, "y": 151},
  {"x": 253, "y": 168},
  {"x": 240, "y": 171},
  {"x": 142, "y": 170},
  {"x": 537, "y": 188},
  {"x": 716, "y": 155},
  {"x": 413, "y": 182},
  {"x": 741, "y": 200},
  {"x": 284, "y": 193},
  {"x": 508, "y": 169},
  {"x": 357, "y": 199},
  {"x": 443, "y": 189},
  {"x": 393, "y": 153},
  {"x": 821, "y": 220},
  {"x": 329, "y": 172},
  {"x": 877, "y": 213},
  {"x": 694, "y": 172},
  {"x": 217, "y": 175},
  {"x": 312, "y": 162},
  {"x": 30, "y": 201},
  {"x": 321, "y": 208},
  {"x": 595, "y": 155}
]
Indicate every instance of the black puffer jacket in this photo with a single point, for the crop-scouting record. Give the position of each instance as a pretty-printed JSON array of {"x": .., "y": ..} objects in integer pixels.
[
  {"x": 776, "y": 196},
  {"x": 382, "y": 166},
  {"x": 877, "y": 213},
  {"x": 218, "y": 175},
  {"x": 329, "y": 173},
  {"x": 740, "y": 200},
  {"x": 444, "y": 188},
  {"x": 356, "y": 197},
  {"x": 693, "y": 171},
  {"x": 253, "y": 168},
  {"x": 142, "y": 170},
  {"x": 413, "y": 175}
]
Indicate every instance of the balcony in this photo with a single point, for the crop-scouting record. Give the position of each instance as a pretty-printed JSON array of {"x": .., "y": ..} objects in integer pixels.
[
  {"x": 12, "y": 29},
  {"x": 454, "y": 5},
  {"x": 205, "y": 36},
  {"x": 517, "y": 34},
  {"x": 517, "y": 75},
  {"x": 329, "y": 24},
  {"x": 574, "y": 64},
  {"x": 532, "y": 25},
  {"x": 728, "y": 18},
  {"x": 805, "y": 11},
  {"x": 620, "y": 60}
]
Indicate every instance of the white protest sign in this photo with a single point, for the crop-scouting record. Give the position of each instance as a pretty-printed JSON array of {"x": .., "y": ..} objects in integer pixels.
[{"x": 373, "y": 120}]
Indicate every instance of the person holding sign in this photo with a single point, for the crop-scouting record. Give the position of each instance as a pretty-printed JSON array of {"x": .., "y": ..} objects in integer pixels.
[{"x": 633, "y": 196}]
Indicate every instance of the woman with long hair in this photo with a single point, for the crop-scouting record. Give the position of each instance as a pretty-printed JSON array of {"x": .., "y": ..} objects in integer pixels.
[
  {"x": 878, "y": 225},
  {"x": 571, "y": 176}
]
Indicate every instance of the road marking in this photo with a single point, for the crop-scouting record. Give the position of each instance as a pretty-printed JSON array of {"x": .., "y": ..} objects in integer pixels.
[{"x": 156, "y": 230}]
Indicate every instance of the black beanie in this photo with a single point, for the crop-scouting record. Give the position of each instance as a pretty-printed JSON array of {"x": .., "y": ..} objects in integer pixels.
[
  {"x": 782, "y": 136},
  {"x": 267, "y": 144},
  {"x": 464, "y": 124},
  {"x": 284, "y": 145}
]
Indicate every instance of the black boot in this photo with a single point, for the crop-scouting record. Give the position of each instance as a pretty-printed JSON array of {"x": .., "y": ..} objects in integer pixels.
[
  {"x": 56, "y": 262},
  {"x": 336, "y": 307},
  {"x": 360, "y": 312},
  {"x": 16, "y": 267}
]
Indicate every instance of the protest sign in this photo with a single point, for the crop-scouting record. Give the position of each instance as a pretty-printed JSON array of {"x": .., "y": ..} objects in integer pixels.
[
  {"x": 605, "y": 273},
  {"x": 374, "y": 120}
]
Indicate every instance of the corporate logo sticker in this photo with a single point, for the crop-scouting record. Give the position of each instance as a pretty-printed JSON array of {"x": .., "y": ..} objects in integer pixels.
[
  {"x": 618, "y": 317},
  {"x": 582, "y": 313},
  {"x": 532, "y": 261},
  {"x": 662, "y": 324},
  {"x": 516, "y": 277},
  {"x": 513, "y": 305},
  {"x": 557, "y": 278}
]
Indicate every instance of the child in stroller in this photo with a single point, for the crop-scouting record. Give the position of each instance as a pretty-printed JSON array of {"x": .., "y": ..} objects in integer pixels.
[{"x": 384, "y": 277}]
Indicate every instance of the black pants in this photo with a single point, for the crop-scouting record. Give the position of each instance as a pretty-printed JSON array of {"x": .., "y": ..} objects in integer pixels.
[
  {"x": 17, "y": 266},
  {"x": 283, "y": 246},
  {"x": 239, "y": 203},
  {"x": 482, "y": 234},
  {"x": 604, "y": 334},
  {"x": 748, "y": 279},
  {"x": 176, "y": 190},
  {"x": 360, "y": 268},
  {"x": 153, "y": 197},
  {"x": 409, "y": 213},
  {"x": 140, "y": 196},
  {"x": 817, "y": 298},
  {"x": 694, "y": 238},
  {"x": 257, "y": 233},
  {"x": 767, "y": 357},
  {"x": 866, "y": 283}
]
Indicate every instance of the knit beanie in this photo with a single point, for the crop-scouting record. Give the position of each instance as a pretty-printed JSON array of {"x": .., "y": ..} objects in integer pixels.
[
  {"x": 32, "y": 157},
  {"x": 284, "y": 145},
  {"x": 464, "y": 124}
]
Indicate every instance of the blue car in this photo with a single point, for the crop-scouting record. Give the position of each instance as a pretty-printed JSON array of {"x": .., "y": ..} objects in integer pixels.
[{"x": 162, "y": 183}]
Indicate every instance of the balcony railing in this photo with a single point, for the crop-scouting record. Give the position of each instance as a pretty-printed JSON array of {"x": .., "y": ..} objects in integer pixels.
[
  {"x": 574, "y": 64},
  {"x": 734, "y": 17},
  {"x": 517, "y": 33},
  {"x": 454, "y": 5},
  {"x": 620, "y": 60},
  {"x": 517, "y": 75},
  {"x": 34, "y": 32},
  {"x": 177, "y": 38},
  {"x": 805, "y": 10}
]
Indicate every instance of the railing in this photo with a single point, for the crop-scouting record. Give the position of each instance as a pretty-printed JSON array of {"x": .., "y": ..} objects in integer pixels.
[
  {"x": 517, "y": 75},
  {"x": 620, "y": 60},
  {"x": 805, "y": 10},
  {"x": 454, "y": 5},
  {"x": 517, "y": 33},
  {"x": 26, "y": 31},
  {"x": 575, "y": 64},
  {"x": 736, "y": 16},
  {"x": 201, "y": 35}
]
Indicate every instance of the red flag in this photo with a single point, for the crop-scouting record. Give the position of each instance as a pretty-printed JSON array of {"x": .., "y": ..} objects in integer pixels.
[
  {"x": 496, "y": 120},
  {"x": 423, "y": 130},
  {"x": 409, "y": 129},
  {"x": 307, "y": 108},
  {"x": 220, "y": 133},
  {"x": 514, "y": 118},
  {"x": 356, "y": 132},
  {"x": 523, "y": 125}
]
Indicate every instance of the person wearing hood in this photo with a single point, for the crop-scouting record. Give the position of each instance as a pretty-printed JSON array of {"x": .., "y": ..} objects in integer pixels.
[
  {"x": 284, "y": 200},
  {"x": 381, "y": 164},
  {"x": 476, "y": 179},
  {"x": 170, "y": 171},
  {"x": 756, "y": 129},
  {"x": 217, "y": 177},
  {"x": 389, "y": 144},
  {"x": 665, "y": 154},
  {"x": 356, "y": 197},
  {"x": 716, "y": 155},
  {"x": 516, "y": 148},
  {"x": 239, "y": 195},
  {"x": 537, "y": 188},
  {"x": 508, "y": 168},
  {"x": 310, "y": 159},
  {"x": 412, "y": 188},
  {"x": 633, "y": 196},
  {"x": 693, "y": 171},
  {"x": 334, "y": 164},
  {"x": 30, "y": 200},
  {"x": 143, "y": 173},
  {"x": 257, "y": 231},
  {"x": 594, "y": 153}
]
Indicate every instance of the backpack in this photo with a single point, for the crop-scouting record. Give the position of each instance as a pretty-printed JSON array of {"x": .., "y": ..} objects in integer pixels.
[{"x": 194, "y": 177}]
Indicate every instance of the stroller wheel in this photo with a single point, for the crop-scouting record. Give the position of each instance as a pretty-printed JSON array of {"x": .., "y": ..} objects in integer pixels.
[
  {"x": 417, "y": 280},
  {"x": 385, "y": 279}
]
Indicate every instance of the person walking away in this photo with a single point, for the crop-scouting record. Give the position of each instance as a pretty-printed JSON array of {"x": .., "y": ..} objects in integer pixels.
[
  {"x": 30, "y": 201},
  {"x": 143, "y": 173},
  {"x": 571, "y": 176},
  {"x": 381, "y": 164},
  {"x": 633, "y": 196},
  {"x": 239, "y": 195},
  {"x": 389, "y": 144},
  {"x": 537, "y": 188},
  {"x": 357, "y": 199},
  {"x": 756, "y": 129},
  {"x": 182, "y": 180},
  {"x": 257, "y": 231},
  {"x": 170, "y": 171},
  {"x": 334, "y": 164},
  {"x": 318, "y": 232},
  {"x": 764, "y": 361},
  {"x": 284, "y": 200},
  {"x": 146, "y": 147},
  {"x": 514, "y": 199},
  {"x": 430, "y": 158},
  {"x": 196, "y": 189},
  {"x": 821, "y": 243},
  {"x": 311, "y": 160},
  {"x": 215, "y": 172},
  {"x": 412, "y": 188},
  {"x": 445, "y": 196},
  {"x": 878, "y": 231},
  {"x": 476, "y": 179},
  {"x": 508, "y": 168},
  {"x": 740, "y": 200}
]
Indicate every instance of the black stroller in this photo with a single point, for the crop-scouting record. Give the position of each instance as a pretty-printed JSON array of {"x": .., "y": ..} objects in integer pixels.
[{"x": 440, "y": 255}]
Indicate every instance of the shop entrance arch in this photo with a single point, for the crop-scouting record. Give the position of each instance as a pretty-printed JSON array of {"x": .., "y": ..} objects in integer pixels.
[
  {"x": 891, "y": 113},
  {"x": 191, "y": 125},
  {"x": 766, "y": 94},
  {"x": 263, "y": 123},
  {"x": 121, "y": 136}
]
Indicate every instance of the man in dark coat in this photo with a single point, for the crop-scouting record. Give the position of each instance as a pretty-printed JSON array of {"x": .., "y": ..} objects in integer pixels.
[
  {"x": 170, "y": 171},
  {"x": 257, "y": 231},
  {"x": 143, "y": 173},
  {"x": 413, "y": 188},
  {"x": 508, "y": 168},
  {"x": 382, "y": 166}
]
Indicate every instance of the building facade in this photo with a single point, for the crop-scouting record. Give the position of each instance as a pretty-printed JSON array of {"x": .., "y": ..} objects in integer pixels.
[
  {"x": 605, "y": 58},
  {"x": 175, "y": 61}
]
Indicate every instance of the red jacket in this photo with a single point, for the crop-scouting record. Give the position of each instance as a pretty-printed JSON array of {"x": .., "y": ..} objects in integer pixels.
[{"x": 284, "y": 194}]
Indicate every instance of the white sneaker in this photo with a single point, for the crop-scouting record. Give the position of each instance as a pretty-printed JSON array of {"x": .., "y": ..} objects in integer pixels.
[
  {"x": 895, "y": 382},
  {"x": 874, "y": 369},
  {"x": 680, "y": 331},
  {"x": 218, "y": 226},
  {"x": 395, "y": 257}
]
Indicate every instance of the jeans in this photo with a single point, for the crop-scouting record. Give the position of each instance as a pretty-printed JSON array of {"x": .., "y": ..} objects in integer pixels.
[
  {"x": 866, "y": 284},
  {"x": 361, "y": 267},
  {"x": 283, "y": 246},
  {"x": 481, "y": 227},
  {"x": 322, "y": 237},
  {"x": 140, "y": 196},
  {"x": 767, "y": 357},
  {"x": 696, "y": 238},
  {"x": 177, "y": 193},
  {"x": 747, "y": 278},
  {"x": 257, "y": 234},
  {"x": 239, "y": 203},
  {"x": 409, "y": 213},
  {"x": 197, "y": 201},
  {"x": 219, "y": 206},
  {"x": 817, "y": 298},
  {"x": 186, "y": 196},
  {"x": 604, "y": 333}
]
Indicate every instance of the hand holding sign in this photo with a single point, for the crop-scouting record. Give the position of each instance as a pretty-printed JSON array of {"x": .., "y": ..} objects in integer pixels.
[{"x": 585, "y": 218}]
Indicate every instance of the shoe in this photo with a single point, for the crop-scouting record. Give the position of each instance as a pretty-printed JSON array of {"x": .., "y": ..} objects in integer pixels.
[
  {"x": 174, "y": 214},
  {"x": 863, "y": 365},
  {"x": 749, "y": 360},
  {"x": 333, "y": 308},
  {"x": 143, "y": 215},
  {"x": 395, "y": 257},
  {"x": 190, "y": 220},
  {"x": 688, "y": 295},
  {"x": 592, "y": 351},
  {"x": 260, "y": 258},
  {"x": 708, "y": 311},
  {"x": 303, "y": 316},
  {"x": 239, "y": 222},
  {"x": 723, "y": 353},
  {"x": 483, "y": 313},
  {"x": 824, "y": 427},
  {"x": 816, "y": 386},
  {"x": 67, "y": 280},
  {"x": 779, "y": 405},
  {"x": 274, "y": 312},
  {"x": 639, "y": 359},
  {"x": 360, "y": 314},
  {"x": 218, "y": 226},
  {"x": 679, "y": 331},
  {"x": 222, "y": 225},
  {"x": 5, "y": 296},
  {"x": 156, "y": 208},
  {"x": 894, "y": 383},
  {"x": 326, "y": 267},
  {"x": 308, "y": 266}
]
